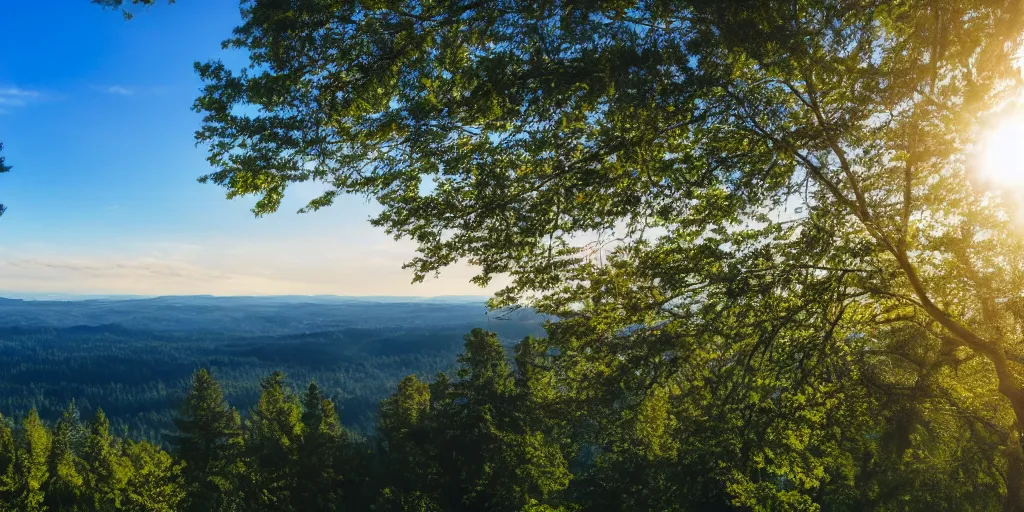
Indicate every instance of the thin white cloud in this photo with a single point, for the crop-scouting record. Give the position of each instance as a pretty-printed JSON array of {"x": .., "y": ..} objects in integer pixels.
[
  {"x": 118, "y": 90},
  {"x": 11, "y": 96}
]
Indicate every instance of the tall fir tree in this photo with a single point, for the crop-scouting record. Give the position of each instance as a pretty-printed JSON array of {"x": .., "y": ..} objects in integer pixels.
[
  {"x": 321, "y": 452},
  {"x": 407, "y": 470},
  {"x": 208, "y": 441},
  {"x": 8, "y": 453},
  {"x": 155, "y": 484},
  {"x": 493, "y": 456},
  {"x": 27, "y": 476},
  {"x": 106, "y": 471},
  {"x": 65, "y": 484},
  {"x": 273, "y": 435}
]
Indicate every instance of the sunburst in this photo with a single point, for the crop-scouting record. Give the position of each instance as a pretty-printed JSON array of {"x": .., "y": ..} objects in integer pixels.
[{"x": 1002, "y": 153}]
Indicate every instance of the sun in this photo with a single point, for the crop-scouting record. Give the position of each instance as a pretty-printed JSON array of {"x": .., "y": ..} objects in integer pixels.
[{"x": 1002, "y": 153}]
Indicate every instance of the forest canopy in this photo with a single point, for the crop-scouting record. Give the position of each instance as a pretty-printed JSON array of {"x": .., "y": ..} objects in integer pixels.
[
  {"x": 133, "y": 358},
  {"x": 461, "y": 443}
]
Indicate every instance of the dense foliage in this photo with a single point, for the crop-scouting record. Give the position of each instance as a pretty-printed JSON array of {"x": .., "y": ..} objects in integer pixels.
[
  {"x": 781, "y": 282},
  {"x": 494, "y": 435},
  {"x": 462, "y": 444}
]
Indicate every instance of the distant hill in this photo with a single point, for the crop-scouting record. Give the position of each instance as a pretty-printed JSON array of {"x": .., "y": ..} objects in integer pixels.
[
  {"x": 132, "y": 356},
  {"x": 249, "y": 315}
]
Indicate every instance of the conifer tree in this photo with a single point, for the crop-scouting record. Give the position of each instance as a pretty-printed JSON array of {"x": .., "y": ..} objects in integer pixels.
[
  {"x": 155, "y": 483},
  {"x": 208, "y": 441},
  {"x": 407, "y": 466},
  {"x": 273, "y": 434},
  {"x": 28, "y": 474},
  {"x": 498, "y": 459},
  {"x": 65, "y": 463},
  {"x": 468, "y": 444},
  {"x": 319, "y": 482},
  {"x": 106, "y": 471},
  {"x": 8, "y": 453}
]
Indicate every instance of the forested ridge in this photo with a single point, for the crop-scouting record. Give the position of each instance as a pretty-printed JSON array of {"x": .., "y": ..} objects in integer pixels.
[
  {"x": 133, "y": 358},
  {"x": 497, "y": 433},
  {"x": 463, "y": 442}
]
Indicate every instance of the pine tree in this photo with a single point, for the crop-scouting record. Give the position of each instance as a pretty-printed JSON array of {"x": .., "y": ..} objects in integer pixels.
[
  {"x": 28, "y": 474},
  {"x": 273, "y": 433},
  {"x": 407, "y": 467},
  {"x": 155, "y": 484},
  {"x": 8, "y": 453},
  {"x": 65, "y": 463},
  {"x": 208, "y": 441},
  {"x": 319, "y": 484},
  {"x": 492, "y": 455},
  {"x": 106, "y": 471}
]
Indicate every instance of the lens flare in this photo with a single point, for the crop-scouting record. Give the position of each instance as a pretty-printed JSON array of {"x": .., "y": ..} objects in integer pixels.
[{"x": 1002, "y": 156}]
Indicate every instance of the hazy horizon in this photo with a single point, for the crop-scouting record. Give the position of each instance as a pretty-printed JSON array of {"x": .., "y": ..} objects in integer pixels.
[{"x": 47, "y": 296}]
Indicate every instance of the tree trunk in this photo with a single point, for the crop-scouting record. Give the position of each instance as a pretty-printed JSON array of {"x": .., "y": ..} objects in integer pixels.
[{"x": 1014, "y": 501}]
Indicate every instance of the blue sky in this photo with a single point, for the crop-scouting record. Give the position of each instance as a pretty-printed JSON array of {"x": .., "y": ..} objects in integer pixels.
[{"x": 95, "y": 116}]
